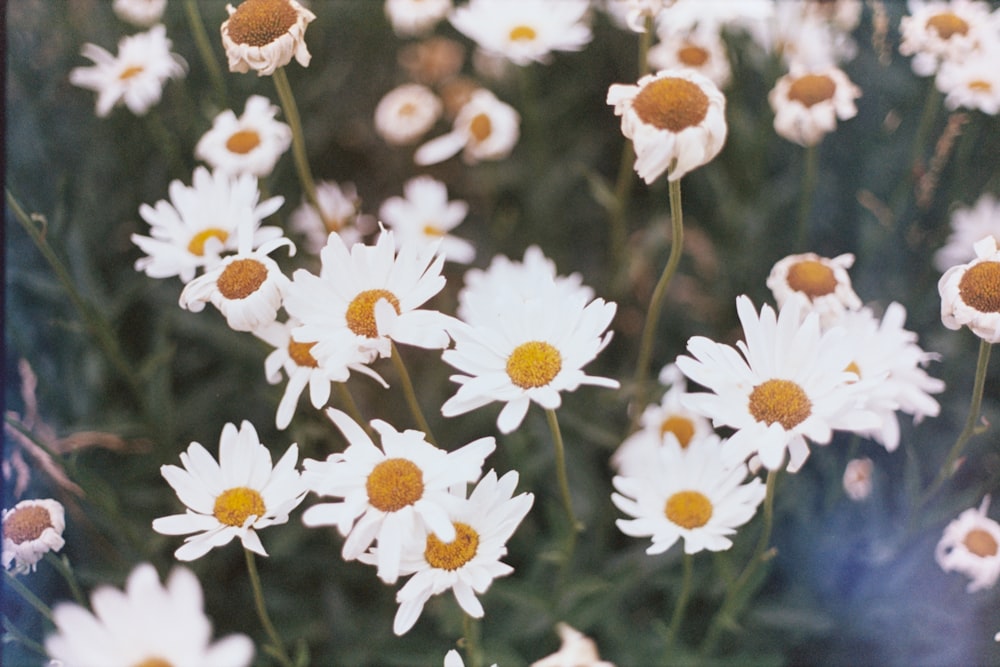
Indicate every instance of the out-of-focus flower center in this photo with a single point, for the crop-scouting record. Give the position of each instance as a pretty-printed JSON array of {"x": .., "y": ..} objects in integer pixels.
[
  {"x": 234, "y": 506},
  {"x": 361, "y": 311},
  {"x": 980, "y": 543},
  {"x": 688, "y": 509},
  {"x": 26, "y": 524},
  {"x": 812, "y": 278},
  {"x": 129, "y": 72},
  {"x": 681, "y": 427},
  {"x": 154, "y": 662},
  {"x": 980, "y": 86},
  {"x": 433, "y": 230},
  {"x": 243, "y": 141},
  {"x": 393, "y": 484},
  {"x": 533, "y": 364},
  {"x": 241, "y": 278},
  {"x": 522, "y": 33},
  {"x": 480, "y": 127},
  {"x": 407, "y": 109},
  {"x": 780, "y": 401},
  {"x": 692, "y": 56},
  {"x": 671, "y": 103},
  {"x": 812, "y": 89},
  {"x": 947, "y": 24},
  {"x": 260, "y": 22},
  {"x": 980, "y": 287},
  {"x": 452, "y": 555},
  {"x": 197, "y": 244},
  {"x": 301, "y": 355}
]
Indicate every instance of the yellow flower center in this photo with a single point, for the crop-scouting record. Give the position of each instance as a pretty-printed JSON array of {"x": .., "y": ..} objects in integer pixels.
[
  {"x": 812, "y": 278},
  {"x": 260, "y": 22},
  {"x": 407, "y": 109},
  {"x": 154, "y": 662},
  {"x": 522, "y": 33},
  {"x": 197, "y": 244},
  {"x": 812, "y": 89},
  {"x": 241, "y": 278},
  {"x": 980, "y": 287},
  {"x": 671, "y": 103},
  {"x": 854, "y": 368},
  {"x": 361, "y": 311},
  {"x": 681, "y": 427},
  {"x": 243, "y": 141},
  {"x": 692, "y": 56},
  {"x": 480, "y": 127},
  {"x": 432, "y": 230},
  {"x": 688, "y": 509},
  {"x": 980, "y": 86},
  {"x": 980, "y": 543},
  {"x": 533, "y": 364},
  {"x": 129, "y": 72},
  {"x": 301, "y": 355},
  {"x": 234, "y": 506},
  {"x": 947, "y": 24},
  {"x": 393, "y": 484},
  {"x": 452, "y": 555},
  {"x": 26, "y": 524},
  {"x": 780, "y": 401}
]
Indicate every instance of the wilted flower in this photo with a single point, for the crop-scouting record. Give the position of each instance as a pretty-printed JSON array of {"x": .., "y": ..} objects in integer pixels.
[
  {"x": 971, "y": 545},
  {"x": 823, "y": 281},
  {"x": 406, "y": 113},
  {"x": 969, "y": 225},
  {"x": 425, "y": 216},
  {"x": 142, "y": 13},
  {"x": 807, "y": 104},
  {"x": 970, "y": 293},
  {"x": 250, "y": 144},
  {"x": 31, "y": 529},
  {"x": 264, "y": 35},
  {"x": 484, "y": 129}
]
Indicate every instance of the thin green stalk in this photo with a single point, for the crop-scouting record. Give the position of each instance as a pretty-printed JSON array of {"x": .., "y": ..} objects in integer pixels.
[
  {"x": 12, "y": 633},
  {"x": 411, "y": 395},
  {"x": 470, "y": 641},
  {"x": 277, "y": 647},
  {"x": 656, "y": 301},
  {"x": 167, "y": 141},
  {"x": 299, "y": 143},
  {"x": 61, "y": 564},
  {"x": 557, "y": 439},
  {"x": 809, "y": 174},
  {"x": 28, "y": 596},
  {"x": 681, "y": 605},
  {"x": 204, "y": 46},
  {"x": 351, "y": 408},
  {"x": 646, "y": 41}
]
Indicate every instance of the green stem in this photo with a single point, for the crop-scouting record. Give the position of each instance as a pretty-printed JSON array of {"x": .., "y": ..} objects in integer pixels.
[
  {"x": 470, "y": 641},
  {"x": 809, "y": 175},
  {"x": 277, "y": 647},
  {"x": 646, "y": 41},
  {"x": 204, "y": 46},
  {"x": 567, "y": 499},
  {"x": 12, "y": 633},
  {"x": 28, "y": 596},
  {"x": 680, "y": 606},
  {"x": 167, "y": 141},
  {"x": 411, "y": 395},
  {"x": 61, "y": 564},
  {"x": 299, "y": 144},
  {"x": 351, "y": 408}
]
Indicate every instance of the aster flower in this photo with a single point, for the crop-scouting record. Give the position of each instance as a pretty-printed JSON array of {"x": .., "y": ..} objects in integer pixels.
[
  {"x": 700, "y": 50},
  {"x": 364, "y": 299},
  {"x": 142, "y": 13},
  {"x": 146, "y": 624},
  {"x": 524, "y": 31},
  {"x": 823, "y": 281},
  {"x": 790, "y": 384},
  {"x": 31, "y": 529},
  {"x": 937, "y": 32},
  {"x": 391, "y": 494},
  {"x": 406, "y": 113},
  {"x": 234, "y": 497},
  {"x": 676, "y": 119},
  {"x": 692, "y": 493},
  {"x": 250, "y": 144},
  {"x": 484, "y": 129},
  {"x": 807, "y": 104},
  {"x": 135, "y": 76},
  {"x": 970, "y": 293},
  {"x": 340, "y": 204},
  {"x": 412, "y": 18},
  {"x": 858, "y": 478},
  {"x": 468, "y": 563},
  {"x": 200, "y": 223},
  {"x": 973, "y": 83},
  {"x": 971, "y": 545},
  {"x": 264, "y": 35},
  {"x": 577, "y": 650},
  {"x": 969, "y": 225},
  {"x": 424, "y": 216}
]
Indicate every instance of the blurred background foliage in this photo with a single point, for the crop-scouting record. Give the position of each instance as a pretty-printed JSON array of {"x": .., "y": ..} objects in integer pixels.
[{"x": 848, "y": 584}]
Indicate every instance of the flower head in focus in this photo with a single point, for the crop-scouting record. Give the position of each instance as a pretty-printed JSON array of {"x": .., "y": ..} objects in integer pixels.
[
  {"x": 970, "y": 293},
  {"x": 135, "y": 76},
  {"x": 250, "y": 144},
  {"x": 823, "y": 281},
  {"x": 971, "y": 545},
  {"x": 234, "y": 497},
  {"x": 676, "y": 119},
  {"x": 807, "y": 104},
  {"x": 406, "y": 113},
  {"x": 969, "y": 225},
  {"x": 264, "y": 35},
  {"x": 142, "y": 13},
  {"x": 145, "y": 624},
  {"x": 392, "y": 495},
  {"x": 577, "y": 650},
  {"x": 32, "y": 528},
  {"x": 426, "y": 216},
  {"x": 413, "y": 18},
  {"x": 938, "y": 31},
  {"x": 484, "y": 129}
]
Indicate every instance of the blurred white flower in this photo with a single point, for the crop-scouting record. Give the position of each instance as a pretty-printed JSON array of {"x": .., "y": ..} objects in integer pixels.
[
  {"x": 823, "y": 281},
  {"x": 700, "y": 50},
  {"x": 135, "y": 76},
  {"x": 424, "y": 216},
  {"x": 971, "y": 545},
  {"x": 858, "y": 478},
  {"x": 413, "y": 18},
  {"x": 973, "y": 82},
  {"x": 807, "y": 103},
  {"x": 142, "y": 13},
  {"x": 970, "y": 293},
  {"x": 339, "y": 204},
  {"x": 406, "y": 113},
  {"x": 577, "y": 650},
  {"x": 250, "y": 144},
  {"x": 937, "y": 31},
  {"x": 969, "y": 225},
  {"x": 32, "y": 528},
  {"x": 484, "y": 129},
  {"x": 264, "y": 35}
]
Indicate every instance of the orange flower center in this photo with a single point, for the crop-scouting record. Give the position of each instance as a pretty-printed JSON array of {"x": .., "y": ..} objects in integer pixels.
[
  {"x": 688, "y": 509},
  {"x": 452, "y": 555},
  {"x": 692, "y": 56},
  {"x": 980, "y": 287},
  {"x": 522, "y": 33},
  {"x": 433, "y": 230},
  {"x": 980, "y": 543},
  {"x": 780, "y": 401},
  {"x": 154, "y": 662},
  {"x": 980, "y": 86},
  {"x": 26, "y": 524},
  {"x": 947, "y": 24},
  {"x": 234, "y": 506},
  {"x": 671, "y": 103},
  {"x": 681, "y": 427},
  {"x": 812, "y": 89},
  {"x": 301, "y": 355},
  {"x": 243, "y": 141},
  {"x": 361, "y": 311},
  {"x": 533, "y": 364},
  {"x": 812, "y": 278},
  {"x": 393, "y": 484},
  {"x": 197, "y": 244},
  {"x": 241, "y": 278},
  {"x": 260, "y": 22},
  {"x": 129, "y": 72},
  {"x": 481, "y": 127}
]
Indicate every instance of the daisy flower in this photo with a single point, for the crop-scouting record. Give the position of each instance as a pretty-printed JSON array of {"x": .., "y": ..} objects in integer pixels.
[
  {"x": 700, "y": 50},
  {"x": 858, "y": 478},
  {"x": 406, "y": 113},
  {"x": 824, "y": 282},
  {"x": 145, "y": 624},
  {"x": 577, "y": 649},
  {"x": 31, "y": 529},
  {"x": 973, "y": 83},
  {"x": 632, "y": 14},
  {"x": 200, "y": 223},
  {"x": 524, "y": 31},
  {"x": 807, "y": 104},
  {"x": 250, "y": 144},
  {"x": 412, "y": 18},
  {"x": 969, "y": 225},
  {"x": 234, "y": 497},
  {"x": 468, "y": 563},
  {"x": 424, "y": 216},
  {"x": 135, "y": 76},
  {"x": 142, "y": 13},
  {"x": 364, "y": 299},
  {"x": 691, "y": 493},
  {"x": 391, "y": 494},
  {"x": 530, "y": 352},
  {"x": 970, "y": 293},
  {"x": 339, "y": 204},
  {"x": 715, "y": 15},
  {"x": 676, "y": 119},
  {"x": 484, "y": 129},
  {"x": 790, "y": 384},
  {"x": 971, "y": 545},
  {"x": 937, "y": 31},
  {"x": 264, "y": 35}
]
